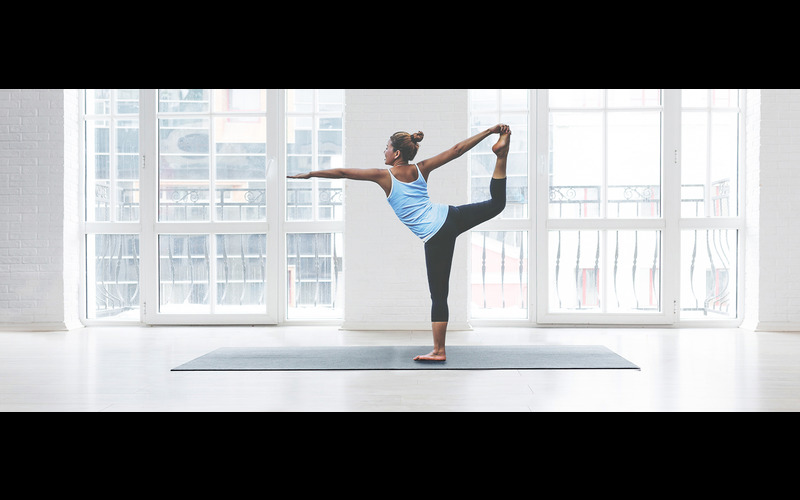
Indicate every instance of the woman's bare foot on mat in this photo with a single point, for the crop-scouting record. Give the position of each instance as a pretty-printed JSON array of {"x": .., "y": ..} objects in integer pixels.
[{"x": 432, "y": 356}]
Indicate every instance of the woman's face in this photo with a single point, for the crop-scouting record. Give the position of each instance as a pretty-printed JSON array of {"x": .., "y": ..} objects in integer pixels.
[{"x": 389, "y": 154}]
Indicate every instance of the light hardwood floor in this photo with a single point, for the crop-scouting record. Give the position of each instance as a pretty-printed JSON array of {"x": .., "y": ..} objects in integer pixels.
[{"x": 127, "y": 369}]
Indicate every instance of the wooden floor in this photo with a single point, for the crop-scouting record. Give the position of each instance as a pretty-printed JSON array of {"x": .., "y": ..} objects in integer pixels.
[{"x": 127, "y": 369}]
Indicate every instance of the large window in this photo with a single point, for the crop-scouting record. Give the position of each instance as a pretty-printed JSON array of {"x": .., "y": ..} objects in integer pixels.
[
  {"x": 624, "y": 206},
  {"x": 635, "y": 218},
  {"x": 314, "y": 208},
  {"x": 111, "y": 204},
  {"x": 185, "y": 217},
  {"x": 638, "y": 199},
  {"x": 604, "y": 210},
  {"x": 500, "y": 247},
  {"x": 711, "y": 149},
  {"x": 212, "y": 202}
]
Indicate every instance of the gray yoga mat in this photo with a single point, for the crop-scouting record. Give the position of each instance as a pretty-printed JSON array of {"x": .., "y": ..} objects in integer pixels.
[{"x": 474, "y": 357}]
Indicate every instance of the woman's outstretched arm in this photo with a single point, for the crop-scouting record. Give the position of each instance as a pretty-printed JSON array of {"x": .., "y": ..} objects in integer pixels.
[
  {"x": 431, "y": 164},
  {"x": 377, "y": 175}
]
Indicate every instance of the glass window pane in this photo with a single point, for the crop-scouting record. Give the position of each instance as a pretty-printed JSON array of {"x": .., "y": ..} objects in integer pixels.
[
  {"x": 243, "y": 100},
  {"x": 514, "y": 99},
  {"x": 634, "y": 164},
  {"x": 183, "y": 100},
  {"x": 331, "y": 101},
  {"x": 98, "y": 170},
  {"x": 574, "y": 271},
  {"x": 300, "y": 100},
  {"x": 298, "y": 137},
  {"x": 236, "y": 162},
  {"x": 607, "y": 154},
  {"x": 111, "y": 150},
  {"x": 240, "y": 163},
  {"x": 724, "y": 164},
  {"x": 184, "y": 171},
  {"x": 576, "y": 164},
  {"x": 710, "y": 155},
  {"x": 579, "y": 261},
  {"x": 128, "y": 101},
  {"x": 488, "y": 108},
  {"x": 708, "y": 273},
  {"x": 575, "y": 98},
  {"x": 694, "y": 157},
  {"x": 112, "y": 277},
  {"x": 694, "y": 98},
  {"x": 314, "y": 141},
  {"x": 633, "y": 259},
  {"x": 484, "y": 100},
  {"x": 633, "y": 98},
  {"x": 98, "y": 101},
  {"x": 183, "y": 273},
  {"x": 725, "y": 98},
  {"x": 241, "y": 273},
  {"x": 499, "y": 286},
  {"x": 127, "y": 170},
  {"x": 315, "y": 275}
]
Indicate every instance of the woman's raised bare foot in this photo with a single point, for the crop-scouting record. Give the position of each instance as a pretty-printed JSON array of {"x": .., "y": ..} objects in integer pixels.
[
  {"x": 501, "y": 146},
  {"x": 432, "y": 356}
]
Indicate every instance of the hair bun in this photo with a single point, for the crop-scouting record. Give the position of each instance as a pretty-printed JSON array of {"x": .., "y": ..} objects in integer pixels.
[{"x": 417, "y": 137}]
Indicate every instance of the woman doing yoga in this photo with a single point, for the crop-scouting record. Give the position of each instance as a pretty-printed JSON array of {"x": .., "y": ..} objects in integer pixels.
[{"x": 438, "y": 225}]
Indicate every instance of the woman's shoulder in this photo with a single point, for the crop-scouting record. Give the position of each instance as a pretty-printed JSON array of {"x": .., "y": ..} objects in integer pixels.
[{"x": 405, "y": 173}]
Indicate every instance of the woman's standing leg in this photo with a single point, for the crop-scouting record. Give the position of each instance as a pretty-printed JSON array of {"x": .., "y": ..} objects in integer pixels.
[{"x": 438, "y": 260}]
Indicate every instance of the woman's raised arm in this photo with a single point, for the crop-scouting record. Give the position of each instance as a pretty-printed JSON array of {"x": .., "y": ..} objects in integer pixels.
[{"x": 431, "y": 164}]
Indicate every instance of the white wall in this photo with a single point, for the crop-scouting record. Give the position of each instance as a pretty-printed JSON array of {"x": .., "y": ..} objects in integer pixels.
[
  {"x": 386, "y": 283},
  {"x": 39, "y": 239},
  {"x": 772, "y": 268}
]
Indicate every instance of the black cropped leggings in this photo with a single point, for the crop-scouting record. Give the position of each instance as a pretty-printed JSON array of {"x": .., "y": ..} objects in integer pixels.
[{"x": 439, "y": 249}]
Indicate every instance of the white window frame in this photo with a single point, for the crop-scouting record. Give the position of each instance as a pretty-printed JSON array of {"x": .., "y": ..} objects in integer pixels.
[
  {"x": 300, "y": 226},
  {"x": 152, "y": 228},
  {"x": 512, "y": 225},
  {"x": 91, "y": 228},
  {"x": 736, "y": 222},
  {"x": 670, "y": 224},
  {"x": 546, "y": 224},
  {"x": 148, "y": 228}
]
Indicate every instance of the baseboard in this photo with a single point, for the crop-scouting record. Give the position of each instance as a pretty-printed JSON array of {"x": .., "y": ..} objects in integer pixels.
[
  {"x": 411, "y": 325},
  {"x": 776, "y": 326},
  {"x": 57, "y": 326}
]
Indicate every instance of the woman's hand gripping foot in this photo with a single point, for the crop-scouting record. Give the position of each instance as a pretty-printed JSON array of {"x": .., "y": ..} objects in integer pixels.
[{"x": 501, "y": 146}]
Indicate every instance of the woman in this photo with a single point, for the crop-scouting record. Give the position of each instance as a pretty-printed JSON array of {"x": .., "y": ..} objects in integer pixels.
[{"x": 438, "y": 225}]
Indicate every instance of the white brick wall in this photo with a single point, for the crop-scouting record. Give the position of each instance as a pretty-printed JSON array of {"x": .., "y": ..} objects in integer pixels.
[
  {"x": 387, "y": 285},
  {"x": 773, "y": 175},
  {"x": 38, "y": 274}
]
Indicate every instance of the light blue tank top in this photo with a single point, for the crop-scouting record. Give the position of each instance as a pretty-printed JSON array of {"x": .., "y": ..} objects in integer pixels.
[{"x": 411, "y": 203}]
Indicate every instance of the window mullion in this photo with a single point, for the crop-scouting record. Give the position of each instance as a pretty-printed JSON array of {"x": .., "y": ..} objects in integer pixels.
[
  {"x": 276, "y": 204},
  {"x": 148, "y": 200},
  {"x": 671, "y": 204},
  {"x": 709, "y": 136},
  {"x": 212, "y": 207}
]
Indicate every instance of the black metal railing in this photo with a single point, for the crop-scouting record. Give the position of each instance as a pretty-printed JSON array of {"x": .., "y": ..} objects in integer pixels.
[{"x": 314, "y": 264}]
